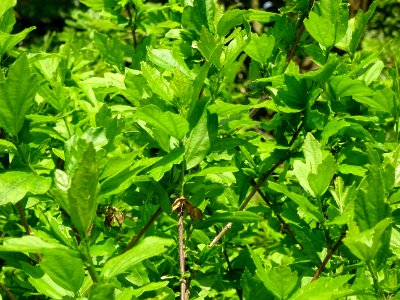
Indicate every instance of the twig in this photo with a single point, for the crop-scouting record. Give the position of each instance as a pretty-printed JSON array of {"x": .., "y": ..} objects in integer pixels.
[
  {"x": 238, "y": 290},
  {"x": 285, "y": 225},
  {"x": 132, "y": 24},
  {"x": 7, "y": 292},
  {"x": 300, "y": 32},
  {"x": 137, "y": 237},
  {"x": 184, "y": 288},
  {"x": 24, "y": 222},
  {"x": 328, "y": 257},
  {"x": 256, "y": 188}
]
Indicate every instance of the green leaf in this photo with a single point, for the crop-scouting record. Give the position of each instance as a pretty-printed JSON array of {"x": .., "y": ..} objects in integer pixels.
[
  {"x": 14, "y": 185},
  {"x": 316, "y": 173},
  {"x": 321, "y": 29},
  {"x": 5, "y": 5},
  {"x": 210, "y": 47},
  {"x": 260, "y": 47},
  {"x": 64, "y": 269},
  {"x": 279, "y": 280},
  {"x": 360, "y": 24},
  {"x": 366, "y": 244},
  {"x": 82, "y": 193},
  {"x": 165, "y": 164},
  {"x": 231, "y": 19},
  {"x": 33, "y": 244},
  {"x": 344, "y": 86},
  {"x": 324, "y": 288},
  {"x": 167, "y": 122},
  {"x": 169, "y": 60},
  {"x": 7, "y": 147},
  {"x": 157, "y": 82},
  {"x": 8, "y": 41},
  {"x": 198, "y": 144},
  {"x": 7, "y": 15},
  {"x": 44, "y": 284},
  {"x": 370, "y": 205},
  {"x": 101, "y": 292},
  {"x": 304, "y": 204},
  {"x": 293, "y": 94},
  {"x": 238, "y": 217},
  {"x": 17, "y": 94},
  {"x": 110, "y": 48},
  {"x": 149, "y": 247},
  {"x": 100, "y": 4}
]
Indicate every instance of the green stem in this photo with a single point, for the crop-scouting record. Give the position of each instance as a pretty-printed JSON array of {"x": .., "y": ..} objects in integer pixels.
[
  {"x": 375, "y": 280},
  {"x": 66, "y": 125},
  {"x": 89, "y": 262}
]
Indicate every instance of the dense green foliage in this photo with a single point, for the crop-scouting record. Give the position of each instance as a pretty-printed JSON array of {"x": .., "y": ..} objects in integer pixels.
[{"x": 282, "y": 127}]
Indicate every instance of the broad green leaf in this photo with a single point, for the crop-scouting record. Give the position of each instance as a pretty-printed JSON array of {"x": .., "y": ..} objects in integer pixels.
[
  {"x": 7, "y": 15},
  {"x": 165, "y": 164},
  {"x": 149, "y": 247},
  {"x": 157, "y": 82},
  {"x": 366, "y": 244},
  {"x": 370, "y": 204},
  {"x": 198, "y": 144},
  {"x": 342, "y": 194},
  {"x": 293, "y": 94},
  {"x": 100, "y": 4},
  {"x": 169, "y": 60},
  {"x": 213, "y": 170},
  {"x": 64, "y": 269},
  {"x": 17, "y": 94},
  {"x": 279, "y": 280},
  {"x": 316, "y": 173},
  {"x": 14, "y": 185},
  {"x": 304, "y": 204},
  {"x": 8, "y": 41},
  {"x": 321, "y": 29},
  {"x": 260, "y": 47},
  {"x": 101, "y": 292},
  {"x": 231, "y": 19},
  {"x": 238, "y": 217},
  {"x": 82, "y": 193},
  {"x": 324, "y": 288},
  {"x": 210, "y": 47},
  {"x": 44, "y": 284},
  {"x": 33, "y": 244},
  {"x": 167, "y": 122},
  {"x": 110, "y": 48},
  {"x": 5, "y": 5}
]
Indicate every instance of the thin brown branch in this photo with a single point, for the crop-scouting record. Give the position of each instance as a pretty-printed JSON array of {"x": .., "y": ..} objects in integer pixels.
[
  {"x": 328, "y": 257},
  {"x": 22, "y": 215},
  {"x": 256, "y": 188},
  {"x": 239, "y": 291},
  {"x": 283, "y": 223},
  {"x": 137, "y": 237},
  {"x": 300, "y": 31},
  {"x": 184, "y": 287},
  {"x": 7, "y": 292},
  {"x": 132, "y": 24}
]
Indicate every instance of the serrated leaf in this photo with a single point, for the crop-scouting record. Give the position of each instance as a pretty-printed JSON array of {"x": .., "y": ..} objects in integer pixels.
[
  {"x": 157, "y": 83},
  {"x": 321, "y": 29},
  {"x": 169, "y": 60},
  {"x": 366, "y": 244},
  {"x": 17, "y": 94},
  {"x": 260, "y": 47},
  {"x": 14, "y": 185},
  {"x": 167, "y": 122},
  {"x": 149, "y": 247},
  {"x": 82, "y": 194},
  {"x": 323, "y": 288},
  {"x": 8, "y": 41}
]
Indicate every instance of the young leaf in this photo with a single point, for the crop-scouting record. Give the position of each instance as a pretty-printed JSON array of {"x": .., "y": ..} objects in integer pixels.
[
  {"x": 14, "y": 185},
  {"x": 7, "y": 41},
  {"x": 82, "y": 193},
  {"x": 167, "y": 122},
  {"x": 149, "y": 247},
  {"x": 260, "y": 47},
  {"x": 366, "y": 244},
  {"x": 17, "y": 94},
  {"x": 157, "y": 82}
]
